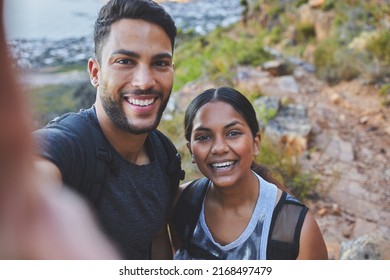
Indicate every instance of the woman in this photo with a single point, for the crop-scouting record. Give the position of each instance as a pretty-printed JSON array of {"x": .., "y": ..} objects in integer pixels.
[{"x": 235, "y": 213}]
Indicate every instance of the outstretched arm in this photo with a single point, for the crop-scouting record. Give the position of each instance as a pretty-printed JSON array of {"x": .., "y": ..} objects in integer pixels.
[{"x": 39, "y": 219}]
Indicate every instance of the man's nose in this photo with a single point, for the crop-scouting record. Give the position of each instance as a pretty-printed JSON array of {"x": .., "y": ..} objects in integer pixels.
[{"x": 143, "y": 78}]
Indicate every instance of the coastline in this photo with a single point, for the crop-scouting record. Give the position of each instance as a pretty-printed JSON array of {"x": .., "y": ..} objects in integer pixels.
[{"x": 196, "y": 17}]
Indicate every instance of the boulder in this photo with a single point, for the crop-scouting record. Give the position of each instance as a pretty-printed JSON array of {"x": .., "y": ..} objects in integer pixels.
[{"x": 366, "y": 247}]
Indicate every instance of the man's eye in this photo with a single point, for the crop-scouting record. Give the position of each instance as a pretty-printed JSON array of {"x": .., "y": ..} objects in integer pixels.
[
  {"x": 161, "y": 63},
  {"x": 124, "y": 61}
]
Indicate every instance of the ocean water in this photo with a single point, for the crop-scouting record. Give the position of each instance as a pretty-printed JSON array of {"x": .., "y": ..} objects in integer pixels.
[
  {"x": 62, "y": 19},
  {"x": 50, "y": 19}
]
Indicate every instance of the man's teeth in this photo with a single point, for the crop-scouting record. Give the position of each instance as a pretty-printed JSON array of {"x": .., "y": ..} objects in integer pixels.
[
  {"x": 223, "y": 164},
  {"x": 143, "y": 102}
]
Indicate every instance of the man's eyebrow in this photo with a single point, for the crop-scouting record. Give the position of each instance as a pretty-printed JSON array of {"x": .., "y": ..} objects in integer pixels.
[
  {"x": 137, "y": 55},
  {"x": 162, "y": 55},
  {"x": 126, "y": 52}
]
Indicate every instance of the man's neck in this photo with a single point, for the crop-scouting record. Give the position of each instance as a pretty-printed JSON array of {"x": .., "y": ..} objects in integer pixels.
[{"x": 129, "y": 146}]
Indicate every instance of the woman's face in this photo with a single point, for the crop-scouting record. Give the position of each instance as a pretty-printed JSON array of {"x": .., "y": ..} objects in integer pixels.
[{"x": 222, "y": 144}]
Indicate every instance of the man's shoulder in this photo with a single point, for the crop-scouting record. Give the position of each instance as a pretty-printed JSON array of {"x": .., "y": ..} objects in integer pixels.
[
  {"x": 69, "y": 123},
  {"x": 68, "y": 130},
  {"x": 164, "y": 140}
]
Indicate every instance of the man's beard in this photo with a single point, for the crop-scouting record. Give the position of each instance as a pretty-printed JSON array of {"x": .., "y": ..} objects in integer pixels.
[{"x": 118, "y": 117}]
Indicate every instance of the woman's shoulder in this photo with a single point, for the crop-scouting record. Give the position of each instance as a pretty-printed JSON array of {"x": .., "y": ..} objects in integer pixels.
[{"x": 196, "y": 184}]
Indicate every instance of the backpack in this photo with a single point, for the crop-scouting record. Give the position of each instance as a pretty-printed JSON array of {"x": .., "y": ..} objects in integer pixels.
[
  {"x": 99, "y": 158},
  {"x": 284, "y": 234}
]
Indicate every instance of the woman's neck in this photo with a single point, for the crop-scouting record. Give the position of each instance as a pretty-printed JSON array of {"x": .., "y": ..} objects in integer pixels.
[{"x": 243, "y": 193}]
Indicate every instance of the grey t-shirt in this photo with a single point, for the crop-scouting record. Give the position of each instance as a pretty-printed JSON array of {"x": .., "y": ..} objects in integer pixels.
[{"x": 135, "y": 200}]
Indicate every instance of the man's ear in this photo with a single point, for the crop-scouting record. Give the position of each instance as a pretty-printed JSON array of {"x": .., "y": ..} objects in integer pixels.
[{"x": 94, "y": 69}]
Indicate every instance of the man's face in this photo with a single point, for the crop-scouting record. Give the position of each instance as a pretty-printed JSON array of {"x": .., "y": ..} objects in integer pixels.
[{"x": 135, "y": 75}]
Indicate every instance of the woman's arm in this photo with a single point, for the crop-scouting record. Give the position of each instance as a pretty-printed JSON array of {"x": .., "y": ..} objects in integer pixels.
[{"x": 312, "y": 244}]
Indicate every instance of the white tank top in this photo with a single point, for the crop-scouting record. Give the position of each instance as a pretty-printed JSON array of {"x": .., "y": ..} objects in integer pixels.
[{"x": 252, "y": 243}]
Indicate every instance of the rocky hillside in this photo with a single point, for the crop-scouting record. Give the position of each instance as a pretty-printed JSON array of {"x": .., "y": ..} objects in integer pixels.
[
  {"x": 326, "y": 69},
  {"x": 347, "y": 148},
  {"x": 331, "y": 111}
]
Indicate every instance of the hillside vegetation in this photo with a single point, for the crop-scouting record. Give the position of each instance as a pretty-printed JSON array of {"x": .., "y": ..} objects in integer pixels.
[{"x": 343, "y": 39}]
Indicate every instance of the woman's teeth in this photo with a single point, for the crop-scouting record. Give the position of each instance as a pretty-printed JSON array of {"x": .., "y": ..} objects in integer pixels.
[{"x": 222, "y": 164}]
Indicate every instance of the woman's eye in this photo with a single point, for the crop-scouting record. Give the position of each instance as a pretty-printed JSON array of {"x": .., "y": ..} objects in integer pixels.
[
  {"x": 201, "y": 138},
  {"x": 234, "y": 133}
]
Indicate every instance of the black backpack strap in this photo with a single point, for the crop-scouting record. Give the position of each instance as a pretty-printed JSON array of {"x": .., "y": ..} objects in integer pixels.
[
  {"x": 174, "y": 171},
  {"x": 98, "y": 156},
  {"x": 298, "y": 228},
  {"x": 187, "y": 209},
  {"x": 285, "y": 229},
  {"x": 186, "y": 215}
]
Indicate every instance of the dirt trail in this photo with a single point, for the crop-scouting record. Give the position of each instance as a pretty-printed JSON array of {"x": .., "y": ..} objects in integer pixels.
[{"x": 351, "y": 154}]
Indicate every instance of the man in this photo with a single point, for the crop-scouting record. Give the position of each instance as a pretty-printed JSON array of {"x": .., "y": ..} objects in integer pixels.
[
  {"x": 36, "y": 220},
  {"x": 133, "y": 75}
]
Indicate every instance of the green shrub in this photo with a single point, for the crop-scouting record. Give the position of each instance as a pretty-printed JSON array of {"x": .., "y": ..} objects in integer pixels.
[
  {"x": 51, "y": 101},
  {"x": 379, "y": 47},
  {"x": 385, "y": 94},
  {"x": 304, "y": 32},
  {"x": 334, "y": 63},
  {"x": 287, "y": 170},
  {"x": 328, "y": 5},
  {"x": 265, "y": 114},
  {"x": 215, "y": 55}
]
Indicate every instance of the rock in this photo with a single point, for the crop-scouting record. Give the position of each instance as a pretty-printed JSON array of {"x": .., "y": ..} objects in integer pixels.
[
  {"x": 323, "y": 25},
  {"x": 335, "y": 98},
  {"x": 341, "y": 150},
  {"x": 287, "y": 84},
  {"x": 249, "y": 79},
  {"x": 183, "y": 97},
  {"x": 275, "y": 67},
  {"x": 266, "y": 107},
  {"x": 387, "y": 129},
  {"x": 366, "y": 247},
  {"x": 363, "y": 120},
  {"x": 323, "y": 211},
  {"x": 316, "y": 3},
  {"x": 290, "y": 128},
  {"x": 306, "y": 14}
]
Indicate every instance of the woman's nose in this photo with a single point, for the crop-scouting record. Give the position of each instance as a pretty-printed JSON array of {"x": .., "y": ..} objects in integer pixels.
[{"x": 220, "y": 145}]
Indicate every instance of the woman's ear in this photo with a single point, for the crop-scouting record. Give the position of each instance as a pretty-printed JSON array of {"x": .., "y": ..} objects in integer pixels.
[
  {"x": 256, "y": 144},
  {"x": 189, "y": 149}
]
